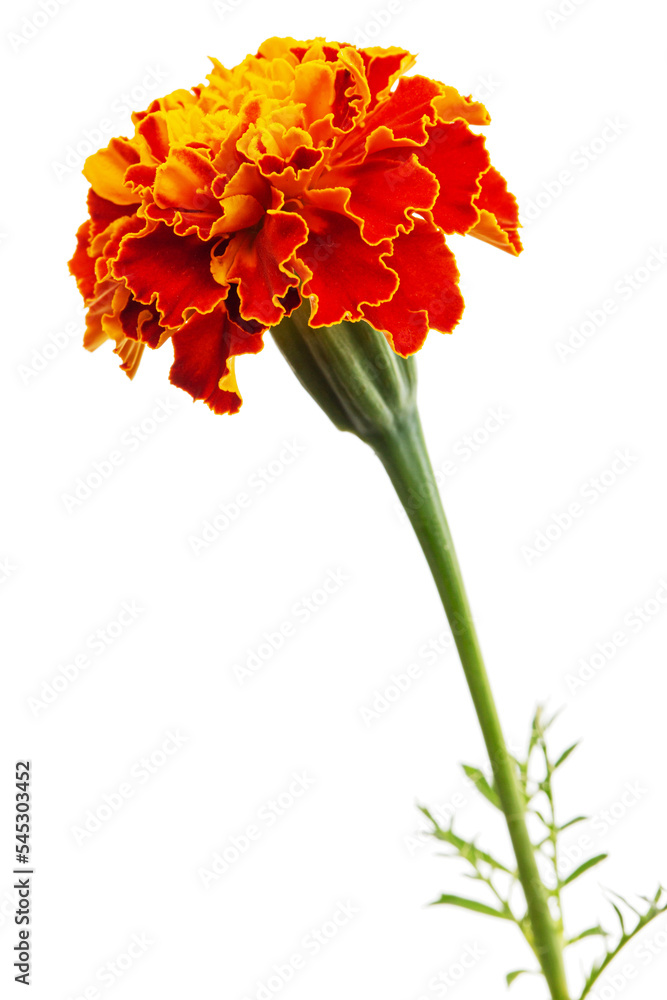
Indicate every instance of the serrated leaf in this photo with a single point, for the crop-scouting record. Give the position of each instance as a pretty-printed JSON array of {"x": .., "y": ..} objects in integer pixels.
[
  {"x": 584, "y": 868},
  {"x": 565, "y": 754},
  {"x": 589, "y": 932},
  {"x": 470, "y": 904},
  {"x": 482, "y": 784}
]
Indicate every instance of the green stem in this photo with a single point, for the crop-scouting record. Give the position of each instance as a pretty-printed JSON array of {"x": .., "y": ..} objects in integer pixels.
[{"x": 402, "y": 450}]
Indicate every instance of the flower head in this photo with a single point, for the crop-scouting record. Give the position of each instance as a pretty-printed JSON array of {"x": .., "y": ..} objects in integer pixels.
[{"x": 312, "y": 169}]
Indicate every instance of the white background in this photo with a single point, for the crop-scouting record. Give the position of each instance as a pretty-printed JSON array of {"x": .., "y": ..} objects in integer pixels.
[{"x": 551, "y": 88}]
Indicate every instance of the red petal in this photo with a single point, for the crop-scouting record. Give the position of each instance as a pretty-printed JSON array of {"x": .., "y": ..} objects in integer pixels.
[
  {"x": 383, "y": 66},
  {"x": 499, "y": 221},
  {"x": 457, "y": 157},
  {"x": 141, "y": 322},
  {"x": 402, "y": 117},
  {"x": 82, "y": 265},
  {"x": 428, "y": 294},
  {"x": 202, "y": 351},
  {"x": 382, "y": 193},
  {"x": 173, "y": 270},
  {"x": 104, "y": 212},
  {"x": 341, "y": 270},
  {"x": 255, "y": 259}
]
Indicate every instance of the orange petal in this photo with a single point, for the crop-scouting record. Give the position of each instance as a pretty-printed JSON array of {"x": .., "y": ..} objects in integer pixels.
[
  {"x": 105, "y": 171},
  {"x": 451, "y": 105},
  {"x": 181, "y": 181}
]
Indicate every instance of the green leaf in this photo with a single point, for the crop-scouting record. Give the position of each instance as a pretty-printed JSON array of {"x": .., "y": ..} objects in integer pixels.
[
  {"x": 511, "y": 976},
  {"x": 565, "y": 754},
  {"x": 589, "y": 932},
  {"x": 571, "y": 822},
  {"x": 482, "y": 784},
  {"x": 467, "y": 850},
  {"x": 470, "y": 904},
  {"x": 536, "y": 729},
  {"x": 644, "y": 919},
  {"x": 620, "y": 918},
  {"x": 549, "y": 722},
  {"x": 584, "y": 868}
]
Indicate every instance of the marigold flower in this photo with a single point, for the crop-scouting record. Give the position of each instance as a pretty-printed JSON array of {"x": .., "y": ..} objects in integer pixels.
[{"x": 302, "y": 172}]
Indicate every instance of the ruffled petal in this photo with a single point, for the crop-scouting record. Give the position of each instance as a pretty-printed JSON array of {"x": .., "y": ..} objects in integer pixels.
[
  {"x": 383, "y": 67},
  {"x": 341, "y": 270},
  {"x": 203, "y": 351},
  {"x": 451, "y": 105},
  {"x": 105, "y": 171},
  {"x": 182, "y": 180},
  {"x": 173, "y": 271},
  {"x": 82, "y": 265},
  {"x": 383, "y": 192},
  {"x": 499, "y": 214},
  {"x": 428, "y": 293},
  {"x": 103, "y": 212},
  {"x": 403, "y": 117},
  {"x": 457, "y": 157},
  {"x": 256, "y": 260}
]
